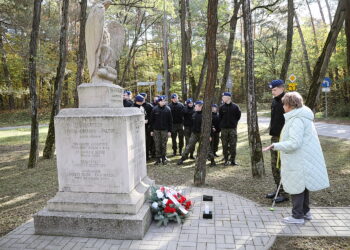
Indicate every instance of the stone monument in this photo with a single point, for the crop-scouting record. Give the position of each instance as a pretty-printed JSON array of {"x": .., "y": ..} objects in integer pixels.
[{"x": 100, "y": 148}]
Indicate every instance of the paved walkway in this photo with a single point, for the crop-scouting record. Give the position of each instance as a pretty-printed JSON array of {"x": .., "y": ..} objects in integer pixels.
[
  {"x": 237, "y": 223},
  {"x": 323, "y": 129}
]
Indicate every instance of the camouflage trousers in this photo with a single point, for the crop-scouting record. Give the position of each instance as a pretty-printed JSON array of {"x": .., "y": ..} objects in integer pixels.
[
  {"x": 276, "y": 171},
  {"x": 229, "y": 143},
  {"x": 192, "y": 146},
  {"x": 178, "y": 130},
  {"x": 215, "y": 142},
  {"x": 160, "y": 140}
]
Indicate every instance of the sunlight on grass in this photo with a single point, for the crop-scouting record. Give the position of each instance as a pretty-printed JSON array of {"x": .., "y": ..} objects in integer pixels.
[
  {"x": 18, "y": 199},
  {"x": 8, "y": 167},
  {"x": 21, "y": 135}
]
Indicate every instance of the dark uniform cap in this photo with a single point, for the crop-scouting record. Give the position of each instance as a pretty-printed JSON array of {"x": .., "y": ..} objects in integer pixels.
[
  {"x": 189, "y": 100},
  {"x": 174, "y": 96},
  {"x": 214, "y": 105},
  {"x": 227, "y": 94},
  {"x": 198, "y": 102},
  {"x": 161, "y": 98},
  {"x": 275, "y": 83},
  {"x": 139, "y": 98},
  {"x": 128, "y": 92},
  {"x": 143, "y": 94}
]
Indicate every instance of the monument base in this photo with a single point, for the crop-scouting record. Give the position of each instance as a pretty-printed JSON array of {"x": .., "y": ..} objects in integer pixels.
[{"x": 96, "y": 225}]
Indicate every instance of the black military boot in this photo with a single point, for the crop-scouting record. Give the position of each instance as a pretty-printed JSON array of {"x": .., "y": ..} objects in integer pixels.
[
  {"x": 212, "y": 163},
  {"x": 164, "y": 160},
  {"x": 227, "y": 162},
  {"x": 158, "y": 161},
  {"x": 181, "y": 161},
  {"x": 191, "y": 156},
  {"x": 174, "y": 152}
]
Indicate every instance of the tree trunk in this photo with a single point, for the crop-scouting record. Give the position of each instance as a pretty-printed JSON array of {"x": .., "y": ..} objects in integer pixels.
[
  {"x": 200, "y": 169},
  {"x": 322, "y": 62},
  {"x": 312, "y": 24},
  {"x": 201, "y": 76},
  {"x": 183, "y": 48},
  {"x": 306, "y": 56},
  {"x": 81, "y": 52},
  {"x": 165, "y": 56},
  {"x": 321, "y": 11},
  {"x": 7, "y": 76},
  {"x": 347, "y": 33},
  {"x": 329, "y": 12},
  {"x": 192, "y": 80},
  {"x": 233, "y": 25},
  {"x": 257, "y": 159},
  {"x": 34, "y": 136},
  {"x": 289, "y": 45},
  {"x": 50, "y": 139}
]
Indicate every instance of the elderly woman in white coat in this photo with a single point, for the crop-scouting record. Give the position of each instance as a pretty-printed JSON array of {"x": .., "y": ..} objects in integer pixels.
[{"x": 303, "y": 167}]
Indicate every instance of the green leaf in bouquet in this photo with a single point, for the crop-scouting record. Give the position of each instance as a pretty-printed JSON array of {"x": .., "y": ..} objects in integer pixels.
[
  {"x": 160, "y": 223},
  {"x": 178, "y": 219},
  {"x": 166, "y": 220}
]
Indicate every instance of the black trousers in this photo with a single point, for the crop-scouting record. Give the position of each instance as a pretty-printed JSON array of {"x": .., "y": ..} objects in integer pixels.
[{"x": 300, "y": 204}]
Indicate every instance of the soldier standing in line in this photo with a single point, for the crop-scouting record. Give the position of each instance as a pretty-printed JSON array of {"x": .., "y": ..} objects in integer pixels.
[
  {"x": 161, "y": 126},
  {"x": 215, "y": 129},
  {"x": 229, "y": 115},
  {"x": 178, "y": 121},
  {"x": 276, "y": 125},
  {"x": 148, "y": 109},
  {"x": 152, "y": 146},
  {"x": 195, "y": 135},
  {"x": 188, "y": 112},
  {"x": 127, "y": 102}
]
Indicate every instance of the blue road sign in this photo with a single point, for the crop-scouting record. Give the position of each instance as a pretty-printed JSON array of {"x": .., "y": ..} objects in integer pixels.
[{"x": 327, "y": 82}]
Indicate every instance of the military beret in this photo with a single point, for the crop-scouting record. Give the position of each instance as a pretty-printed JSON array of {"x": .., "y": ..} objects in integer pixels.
[
  {"x": 139, "y": 98},
  {"x": 275, "y": 83},
  {"x": 226, "y": 94}
]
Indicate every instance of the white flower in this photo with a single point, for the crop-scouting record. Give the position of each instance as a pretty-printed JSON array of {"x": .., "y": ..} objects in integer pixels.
[
  {"x": 160, "y": 194},
  {"x": 155, "y": 205},
  {"x": 165, "y": 201}
]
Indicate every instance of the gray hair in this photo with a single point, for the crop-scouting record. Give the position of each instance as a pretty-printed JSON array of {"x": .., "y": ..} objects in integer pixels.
[{"x": 293, "y": 99}]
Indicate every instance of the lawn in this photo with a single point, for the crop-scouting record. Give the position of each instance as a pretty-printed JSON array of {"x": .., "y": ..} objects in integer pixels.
[
  {"x": 22, "y": 117},
  {"x": 24, "y": 191}
]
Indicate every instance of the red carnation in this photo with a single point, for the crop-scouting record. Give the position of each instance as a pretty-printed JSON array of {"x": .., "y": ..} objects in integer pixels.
[
  {"x": 169, "y": 202},
  {"x": 188, "y": 204},
  {"x": 168, "y": 209},
  {"x": 182, "y": 199}
]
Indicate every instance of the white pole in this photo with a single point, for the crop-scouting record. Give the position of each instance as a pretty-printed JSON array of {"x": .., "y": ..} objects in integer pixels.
[{"x": 326, "y": 105}]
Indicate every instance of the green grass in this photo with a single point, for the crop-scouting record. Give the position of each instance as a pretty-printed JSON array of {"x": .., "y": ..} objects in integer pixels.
[
  {"x": 25, "y": 191},
  {"x": 22, "y": 117}
]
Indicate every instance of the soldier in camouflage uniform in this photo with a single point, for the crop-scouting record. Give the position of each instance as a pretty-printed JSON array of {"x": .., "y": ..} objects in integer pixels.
[
  {"x": 229, "y": 115},
  {"x": 195, "y": 135},
  {"x": 276, "y": 125},
  {"x": 161, "y": 126}
]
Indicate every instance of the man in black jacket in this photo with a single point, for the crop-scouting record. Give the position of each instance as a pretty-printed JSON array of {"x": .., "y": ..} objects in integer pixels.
[
  {"x": 276, "y": 125},
  {"x": 229, "y": 115},
  {"x": 195, "y": 135},
  {"x": 188, "y": 112},
  {"x": 215, "y": 129},
  {"x": 127, "y": 102},
  {"x": 178, "y": 122},
  {"x": 161, "y": 123},
  {"x": 148, "y": 109}
]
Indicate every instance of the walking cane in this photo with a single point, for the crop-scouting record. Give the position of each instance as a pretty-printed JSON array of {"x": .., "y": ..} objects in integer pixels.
[{"x": 272, "y": 208}]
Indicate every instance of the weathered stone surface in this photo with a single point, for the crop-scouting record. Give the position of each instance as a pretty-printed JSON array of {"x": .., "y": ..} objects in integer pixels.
[
  {"x": 100, "y": 95},
  {"x": 98, "y": 225}
]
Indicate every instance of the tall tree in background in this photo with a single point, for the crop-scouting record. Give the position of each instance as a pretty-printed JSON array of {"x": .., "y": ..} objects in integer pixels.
[
  {"x": 34, "y": 136},
  {"x": 231, "y": 40},
  {"x": 323, "y": 61},
  {"x": 289, "y": 44},
  {"x": 329, "y": 12},
  {"x": 184, "y": 51},
  {"x": 50, "y": 139},
  {"x": 257, "y": 160},
  {"x": 165, "y": 54},
  {"x": 5, "y": 68},
  {"x": 200, "y": 170},
  {"x": 305, "y": 54},
  {"x": 201, "y": 76},
  {"x": 82, "y": 50},
  {"x": 347, "y": 33},
  {"x": 312, "y": 24},
  {"x": 192, "y": 81},
  {"x": 321, "y": 11}
]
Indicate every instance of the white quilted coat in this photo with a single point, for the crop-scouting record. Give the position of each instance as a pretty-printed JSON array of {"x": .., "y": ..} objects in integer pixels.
[{"x": 302, "y": 162}]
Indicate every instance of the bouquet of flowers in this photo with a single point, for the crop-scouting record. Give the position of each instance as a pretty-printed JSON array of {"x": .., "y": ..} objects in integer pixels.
[{"x": 169, "y": 205}]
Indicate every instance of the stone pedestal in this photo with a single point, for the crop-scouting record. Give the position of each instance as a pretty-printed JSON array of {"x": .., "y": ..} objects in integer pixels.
[{"x": 101, "y": 165}]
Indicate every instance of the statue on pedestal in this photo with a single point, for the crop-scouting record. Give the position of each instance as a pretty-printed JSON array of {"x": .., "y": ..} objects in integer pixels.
[{"x": 104, "y": 43}]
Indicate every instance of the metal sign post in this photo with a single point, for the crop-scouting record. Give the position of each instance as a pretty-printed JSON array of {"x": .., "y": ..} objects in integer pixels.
[
  {"x": 229, "y": 83},
  {"x": 326, "y": 87}
]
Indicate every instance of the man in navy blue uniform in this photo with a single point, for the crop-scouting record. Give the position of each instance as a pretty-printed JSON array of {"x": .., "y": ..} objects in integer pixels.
[
  {"x": 188, "y": 112},
  {"x": 177, "y": 108},
  {"x": 215, "y": 129}
]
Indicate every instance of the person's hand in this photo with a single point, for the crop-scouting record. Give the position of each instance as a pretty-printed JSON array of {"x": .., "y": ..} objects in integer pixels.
[
  {"x": 146, "y": 121},
  {"x": 151, "y": 133},
  {"x": 169, "y": 134},
  {"x": 214, "y": 129},
  {"x": 268, "y": 148},
  {"x": 210, "y": 138}
]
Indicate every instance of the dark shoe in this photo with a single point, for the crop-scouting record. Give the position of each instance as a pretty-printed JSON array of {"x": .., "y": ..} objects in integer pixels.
[
  {"x": 233, "y": 163},
  {"x": 280, "y": 199},
  {"x": 164, "y": 160},
  {"x": 227, "y": 163},
  {"x": 157, "y": 162},
  {"x": 271, "y": 195},
  {"x": 174, "y": 153},
  {"x": 212, "y": 164},
  {"x": 180, "y": 162},
  {"x": 192, "y": 157}
]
